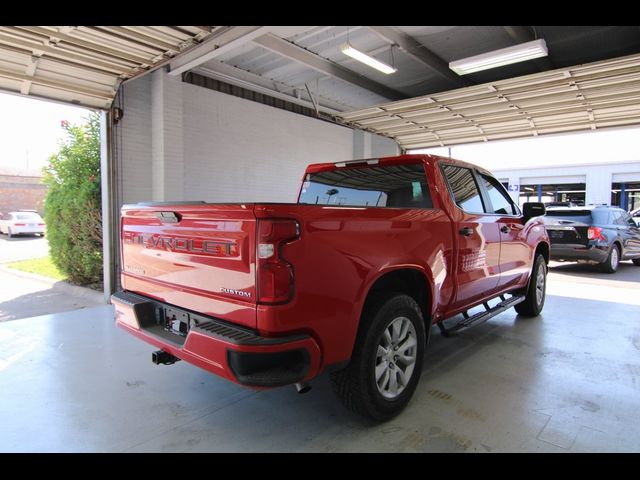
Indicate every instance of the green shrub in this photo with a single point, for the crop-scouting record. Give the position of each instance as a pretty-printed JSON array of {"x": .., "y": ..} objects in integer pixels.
[{"x": 72, "y": 207}]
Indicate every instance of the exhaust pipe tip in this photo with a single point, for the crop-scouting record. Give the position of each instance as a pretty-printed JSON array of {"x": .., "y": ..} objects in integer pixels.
[
  {"x": 303, "y": 387},
  {"x": 160, "y": 357}
]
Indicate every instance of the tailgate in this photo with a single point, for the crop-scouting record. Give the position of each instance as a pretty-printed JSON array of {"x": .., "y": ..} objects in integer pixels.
[
  {"x": 200, "y": 257},
  {"x": 564, "y": 232}
]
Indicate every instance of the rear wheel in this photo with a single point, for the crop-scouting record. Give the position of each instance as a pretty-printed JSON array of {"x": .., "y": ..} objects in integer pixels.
[
  {"x": 610, "y": 265},
  {"x": 9, "y": 232},
  {"x": 387, "y": 359},
  {"x": 534, "y": 299}
]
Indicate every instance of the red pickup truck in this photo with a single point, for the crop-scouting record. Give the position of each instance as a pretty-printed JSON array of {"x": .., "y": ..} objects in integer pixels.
[{"x": 348, "y": 280}]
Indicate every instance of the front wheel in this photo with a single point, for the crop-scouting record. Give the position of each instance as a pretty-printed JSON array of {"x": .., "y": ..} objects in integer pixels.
[
  {"x": 387, "y": 359},
  {"x": 610, "y": 265},
  {"x": 534, "y": 299}
]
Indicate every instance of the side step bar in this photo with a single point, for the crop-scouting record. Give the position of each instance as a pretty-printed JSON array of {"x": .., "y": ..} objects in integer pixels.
[{"x": 480, "y": 317}]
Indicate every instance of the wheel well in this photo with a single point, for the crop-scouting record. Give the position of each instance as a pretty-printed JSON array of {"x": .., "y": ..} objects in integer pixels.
[
  {"x": 543, "y": 248},
  {"x": 408, "y": 281}
]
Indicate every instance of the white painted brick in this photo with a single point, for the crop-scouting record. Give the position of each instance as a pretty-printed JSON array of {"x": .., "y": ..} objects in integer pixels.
[{"x": 181, "y": 141}]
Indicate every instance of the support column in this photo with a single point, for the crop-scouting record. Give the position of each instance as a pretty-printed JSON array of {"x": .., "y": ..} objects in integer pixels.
[
  {"x": 109, "y": 208},
  {"x": 166, "y": 137}
]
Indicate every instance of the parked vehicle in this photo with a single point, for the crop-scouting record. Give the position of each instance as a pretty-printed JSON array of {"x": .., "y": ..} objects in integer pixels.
[
  {"x": 21, "y": 223},
  {"x": 560, "y": 204},
  {"x": 349, "y": 280},
  {"x": 600, "y": 234},
  {"x": 636, "y": 216}
]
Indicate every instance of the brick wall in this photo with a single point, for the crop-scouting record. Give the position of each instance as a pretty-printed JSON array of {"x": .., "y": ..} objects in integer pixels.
[{"x": 21, "y": 192}]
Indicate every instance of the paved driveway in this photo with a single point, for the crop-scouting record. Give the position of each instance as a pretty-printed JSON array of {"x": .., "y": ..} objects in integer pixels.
[
  {"x": 24, "y": 295},
  {"x": 21, "y": 248}
]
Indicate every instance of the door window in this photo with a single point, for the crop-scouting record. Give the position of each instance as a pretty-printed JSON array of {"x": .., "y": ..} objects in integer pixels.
[
  {"x": 500, "y": 200},
  {"x": 464, "y": 189}
]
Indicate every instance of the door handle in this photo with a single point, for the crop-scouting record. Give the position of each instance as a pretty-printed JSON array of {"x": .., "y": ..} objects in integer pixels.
[
  {"x": 466, "y": 231},
  {"x": 505, "y": 229}
]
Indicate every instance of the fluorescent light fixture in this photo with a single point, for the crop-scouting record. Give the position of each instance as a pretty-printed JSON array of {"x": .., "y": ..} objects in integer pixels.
[
  {"x": 498, "y": 58},
  {"x": 366, "y": 59}
]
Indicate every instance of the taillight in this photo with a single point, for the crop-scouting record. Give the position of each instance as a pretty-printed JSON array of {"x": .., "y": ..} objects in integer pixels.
[
  {"x": 41, "y": 224},
  {"x": 275, "y": 274},
  {"x": 19, "y": 224},
  {"x": 595, "y": 233}
]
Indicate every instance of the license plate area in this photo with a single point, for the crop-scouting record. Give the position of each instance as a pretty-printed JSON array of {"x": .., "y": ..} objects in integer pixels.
[{"x": 175, "y": 321}]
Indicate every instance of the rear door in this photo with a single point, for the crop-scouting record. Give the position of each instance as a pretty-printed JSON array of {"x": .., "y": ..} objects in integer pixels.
[
  {"x": 515, "y": 252},
  {"x": 478, "y": 238},
  {"x": 634, "y": 235},
  {"x": 627, "y": 232}
]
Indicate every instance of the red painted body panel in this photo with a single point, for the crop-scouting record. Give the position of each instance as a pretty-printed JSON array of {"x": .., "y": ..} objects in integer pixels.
[{"x": 338, "y": 256}]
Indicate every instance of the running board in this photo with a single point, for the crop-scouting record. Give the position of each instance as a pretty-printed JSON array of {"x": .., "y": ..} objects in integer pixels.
[{"x": 480, "y": 317}]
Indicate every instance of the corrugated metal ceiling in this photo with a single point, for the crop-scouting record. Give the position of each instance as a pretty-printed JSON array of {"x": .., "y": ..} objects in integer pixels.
[
  {"x": 303, "y": 64},
  {"x": 596, "y": 95},
  {"x": 85, "y": 65}
]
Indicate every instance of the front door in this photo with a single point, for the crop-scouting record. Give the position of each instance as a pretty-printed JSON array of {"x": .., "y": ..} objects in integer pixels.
[{"x": 514, "y": 249}]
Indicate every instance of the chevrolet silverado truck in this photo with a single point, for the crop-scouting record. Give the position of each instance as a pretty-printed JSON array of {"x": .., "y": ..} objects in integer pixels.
[{"x": 349, "y": 280}]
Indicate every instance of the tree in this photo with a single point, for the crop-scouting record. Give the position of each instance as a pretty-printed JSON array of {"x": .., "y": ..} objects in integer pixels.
[{"x": 72, "y": 207}]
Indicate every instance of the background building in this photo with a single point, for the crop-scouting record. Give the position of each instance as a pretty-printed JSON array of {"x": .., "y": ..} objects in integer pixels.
[
  {"x": 611, "y": 184},
  {"x": 21, "y": 190}
]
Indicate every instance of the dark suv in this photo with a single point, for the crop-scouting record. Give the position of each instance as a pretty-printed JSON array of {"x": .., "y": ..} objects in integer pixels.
[{"x": 598, "y": 234}]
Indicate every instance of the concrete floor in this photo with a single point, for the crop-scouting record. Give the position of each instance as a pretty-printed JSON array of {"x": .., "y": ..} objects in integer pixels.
[
  {"x": 26, "y": 295},
  {"x": 566, "y": 381}
]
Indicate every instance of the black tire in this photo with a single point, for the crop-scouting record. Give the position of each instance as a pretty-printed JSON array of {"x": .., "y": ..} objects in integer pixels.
[
  {"x": 610, "y": 265},
  {"x": 636, "y": 262},
  {"x": 9, "y": 234},
  {"x": 356, "y": 385},
  {"x": 533, "y": 303}
]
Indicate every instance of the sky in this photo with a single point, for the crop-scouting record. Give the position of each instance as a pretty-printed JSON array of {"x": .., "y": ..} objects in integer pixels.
[
  {"x": 30, "y": 130},
  {"x": 599, "y": 146}
]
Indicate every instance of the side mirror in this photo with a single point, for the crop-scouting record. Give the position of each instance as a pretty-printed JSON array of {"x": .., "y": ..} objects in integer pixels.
[{"x": 533, "y": 209}]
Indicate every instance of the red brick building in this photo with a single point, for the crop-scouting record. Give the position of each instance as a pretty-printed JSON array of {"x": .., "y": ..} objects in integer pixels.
[{"x": 21, "y": 190}]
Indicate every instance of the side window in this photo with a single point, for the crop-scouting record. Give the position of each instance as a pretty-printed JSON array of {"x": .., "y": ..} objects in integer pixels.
[
  {"x": 627, "y": 220},
  {"x": 464, "y": 189},
  {"x": 500, "y": 200},
  {"x": 616, "y": 217}
]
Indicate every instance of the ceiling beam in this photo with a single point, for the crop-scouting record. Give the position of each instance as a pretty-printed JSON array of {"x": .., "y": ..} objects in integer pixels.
[
  {"x": 242, "y": 78},
  {"x": 524, "y": 34},
  {"x": 25, "y": 88},
  {"x": 103, "y": 94},
  {"x": 86, "y": 44},
  {"x": 217, "y": 44},
  {"x": 419, "y": 52},
  {"x": 322, "y": 65}
]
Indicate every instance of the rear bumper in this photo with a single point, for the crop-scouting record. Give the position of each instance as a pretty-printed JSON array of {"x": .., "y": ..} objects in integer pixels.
[
  {"x": 590, "y": 253},
  {"x": 235, "y": 353},
  {"x": 26, "y": 230}
]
